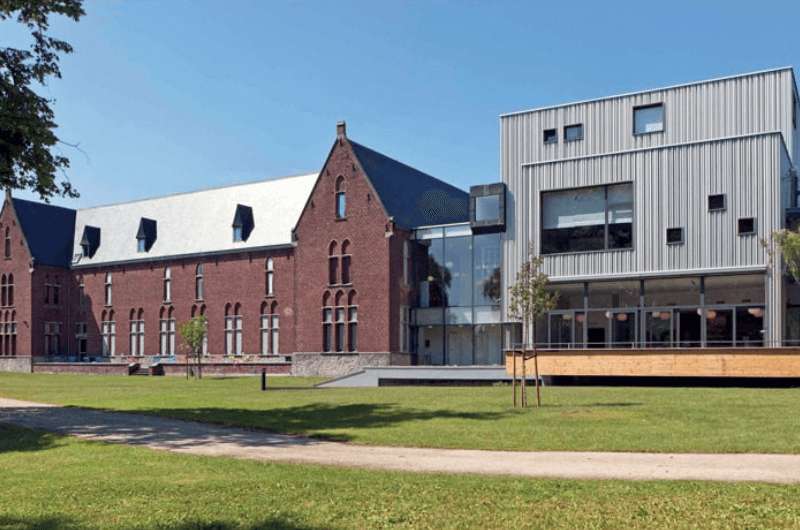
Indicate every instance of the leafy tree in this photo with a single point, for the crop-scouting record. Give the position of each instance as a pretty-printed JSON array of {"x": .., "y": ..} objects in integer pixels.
[
  {"x": 27, "y": 129},
  {"x": 530, "y": 299},
  {"x": 193, "y": 332},
  {"x": 788, "y": 241}
]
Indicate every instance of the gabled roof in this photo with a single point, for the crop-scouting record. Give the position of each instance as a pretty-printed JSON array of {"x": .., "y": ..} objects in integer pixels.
[
  {"x": 412, "y": 197},
  {"x": 48, "y": 231},
  {"x": 197, "y": 222}
]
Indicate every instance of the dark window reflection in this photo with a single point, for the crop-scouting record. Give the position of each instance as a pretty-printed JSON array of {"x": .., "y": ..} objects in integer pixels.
[
  {"x": 434, "y": 277},
  {"x": 719, "y": 327},
  {"x": 486, "y": 251},
  {"x": 458, "y": 269},
  {"x": 750, "y": 326}
]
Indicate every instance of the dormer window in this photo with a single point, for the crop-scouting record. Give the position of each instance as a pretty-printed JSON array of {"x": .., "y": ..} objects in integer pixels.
[
  {"x": 243, "y": 223},
  {"x": 146, "y": 235},
  {"x": 90, "y": 241}
]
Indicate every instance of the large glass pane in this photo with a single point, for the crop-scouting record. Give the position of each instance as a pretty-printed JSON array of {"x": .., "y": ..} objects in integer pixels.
[
  {"x": 488, "y": 344},
  {"x": 672, "y": 292},
  {"x": 573, "y": 220},
  {"x": 623, "y": 329},
  {"x": 620, "y": 216},
  {"x": 430, "y": 345},
  {"x": 458, "y": 270},
  {"x": 596, "y": 329},
  {"x": 569, "y": 295},
  {"x": 750, "y": 326},
  {"x": 561, "y": 330},
  {"x": 658, "y": 328},
  {"x": 459, "y": 345},
  {"x": 487, "y": 208},
  {"x": 719, "y": 327},
  {"x": 432, "y": 273},
  {"x": 614, "y": 294},
  {"x": 739, "y": 289},
  {"x": 486, "y": 251}
]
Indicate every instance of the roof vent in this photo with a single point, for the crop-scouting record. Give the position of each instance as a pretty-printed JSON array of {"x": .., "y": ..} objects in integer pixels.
[
  {"x": 146, "y": 235},
  {"x": 90, "y": 241},
  {"x": 243, "y": 223}
]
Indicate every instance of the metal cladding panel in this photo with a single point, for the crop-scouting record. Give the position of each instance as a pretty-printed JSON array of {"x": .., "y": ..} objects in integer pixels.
[
  {"x": 742, "y": 105},
  {"x": 671, "y": 188}
]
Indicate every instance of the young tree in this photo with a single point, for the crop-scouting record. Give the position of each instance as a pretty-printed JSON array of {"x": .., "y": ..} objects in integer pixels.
[
  {"x": 193, "y": 332},
  {"x": 27, "y": 129},
  {"x": 528, "y": 300},
  {"x": 788, "y": 242}
]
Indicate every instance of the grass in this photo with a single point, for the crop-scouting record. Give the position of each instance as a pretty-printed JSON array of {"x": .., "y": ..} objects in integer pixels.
[
  {"x": 48, "y": 482},
  {"x": 711, "y": 420}
]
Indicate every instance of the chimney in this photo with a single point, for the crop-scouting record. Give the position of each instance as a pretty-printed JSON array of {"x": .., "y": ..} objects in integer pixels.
[{"x": 341, "y": 130}]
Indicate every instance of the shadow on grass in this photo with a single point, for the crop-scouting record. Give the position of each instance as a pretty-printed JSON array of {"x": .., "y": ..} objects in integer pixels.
[
  {"x": 308, "y": 420},
  {"x": 61, "y": 522},
  {"x": 14, "y": 439},
  {"x": 50, "y": 522}
]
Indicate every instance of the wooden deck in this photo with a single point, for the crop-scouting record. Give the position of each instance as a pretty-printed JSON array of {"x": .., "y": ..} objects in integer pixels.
[{"x": 707, "y": 362}]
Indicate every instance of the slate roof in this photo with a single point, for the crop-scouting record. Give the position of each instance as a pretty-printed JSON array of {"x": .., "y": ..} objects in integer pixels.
[
  {"x": 48, "y": 230},
  {"x": 199, "y": 222},
  {"x": 412, "y": 197}
]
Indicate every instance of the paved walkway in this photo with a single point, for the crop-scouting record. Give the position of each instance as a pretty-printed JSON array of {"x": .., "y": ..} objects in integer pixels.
[{"x": 203, "y": 439}]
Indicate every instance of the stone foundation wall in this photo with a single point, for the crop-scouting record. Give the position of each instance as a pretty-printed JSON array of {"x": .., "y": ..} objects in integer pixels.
[
  {"x": 15, "y": 364},
  {"x": 276, "y": 368},
  {"x": 339, "y": 364},
  {"x": 81, "y": 368}
]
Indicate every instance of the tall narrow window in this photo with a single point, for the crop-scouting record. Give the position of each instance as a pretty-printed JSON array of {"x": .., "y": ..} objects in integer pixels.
[
  {"x": 56, "y": 287},
  {"x": 10, "y": 289},
  {"x": 108, "y": 329},
  {"x": 7, "y": 246},
  {"x": 205, "y": 335},
  {"x": 3, "y": 291},
  {"x": 339, "y": 315},
  {"x": 167, "y": 331},
  {"x": 352, "y": 323},
  {"x": 233, "y": 330},
  {"x": 81, "y": 337},
  {"x": 346, "y": 263},
  {"x": 199, "y": 282},
  {"x": 333, "y": 264},
  {"x": 269, "y": 280},
  {"x": 81, "y": 293},
  {"x": 52, "y": 338},
  {"x": 137, "y": 332},
  {"x": 264, "y": 328},
  {"x": 274, "y": 329},
  {"x": 327, "y": 323},
  {"x": 47, "y": 289},
  {"x": 108, "y": 288},
  {"x": 13, "y": 332},
  {"x": 167, "y": 284},
  {"x": 341, "y": 199},
  {"x": 269, "y": 329}
]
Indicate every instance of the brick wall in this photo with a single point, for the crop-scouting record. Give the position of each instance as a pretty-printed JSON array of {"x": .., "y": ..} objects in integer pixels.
[{"x": 19, "y": 266}]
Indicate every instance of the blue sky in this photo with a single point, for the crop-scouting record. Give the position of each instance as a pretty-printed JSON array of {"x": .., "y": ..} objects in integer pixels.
[{"x": 175, "y": 95}]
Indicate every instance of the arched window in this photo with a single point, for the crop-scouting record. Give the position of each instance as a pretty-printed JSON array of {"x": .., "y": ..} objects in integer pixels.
[
  {"x": 269, "y": 329},
  {"x": 269, "y": 280},
  {"x": 341, "y": 199},
  {"x": 47, "y": 289},
  {"x": 5, "y": 348},
  {"x": 108, "y": 330},
  {"x": 333, "y": 264},
  {"x": 13, "y": 333},
  {"x": 56, "y": 290},
  {"x": 352, "y": 322},
  {"x": 7, "y": 246},
  {"x": 167, "y": 284},
  {"x": 327, "y": 323},
  {"x": 339, "y": 314},
  {"x": 81, "y": 293},
  {"x": 233, "y": 330},
  {"x": 3, "y": 291},
  {"x": 198, "y": 282},
  {"x": 108, "y": 286},
  {"x": 205, "y": 335},
  {"x": 137, "y": 332},
  {"x": 166, "y": 331},
  {"x": 346, "y": 263},
  {"x": 10, "y": 289}
]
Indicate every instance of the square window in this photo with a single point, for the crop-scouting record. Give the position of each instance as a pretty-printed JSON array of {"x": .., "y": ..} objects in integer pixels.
[
  {"x": 716, "y": 202},
  {"x": 550, "y": 136},
  {"x": 674, "y": 236},
  {"x": 487, "y": 208},
  {"x": 573, "y": 133},
  {"x": 648, "y": 119},
  {"x": 747, "y": 226}
]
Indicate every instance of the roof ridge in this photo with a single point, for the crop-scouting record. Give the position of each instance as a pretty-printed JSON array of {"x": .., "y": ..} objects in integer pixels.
[{"x": 45, "y": 204}]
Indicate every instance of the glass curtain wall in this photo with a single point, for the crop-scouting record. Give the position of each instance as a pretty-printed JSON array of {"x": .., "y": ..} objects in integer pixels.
[
  {"x": 689, "y": 312},
  {"x": 458, "y": 315}
]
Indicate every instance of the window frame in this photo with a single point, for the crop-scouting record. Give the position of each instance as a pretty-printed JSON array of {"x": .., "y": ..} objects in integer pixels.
[
  {"x": 554, "y": 138},
  {"x": 724, "y": 202},
  {"x": 650, "y": 106},
  {"x": 680, "y": 241},
  {"x": 573, "y": 126},
  {"x": 605, "y": 236},
  {"x": 751, "y": 232}
]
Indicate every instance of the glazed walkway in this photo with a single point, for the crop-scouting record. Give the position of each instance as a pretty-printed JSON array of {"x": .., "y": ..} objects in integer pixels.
[{"x": 203, "y": 439}]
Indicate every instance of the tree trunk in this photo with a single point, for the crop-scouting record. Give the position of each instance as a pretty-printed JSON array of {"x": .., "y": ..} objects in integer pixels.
[
  {"x": 514, "y": 376},
  {"x": 187, "y": 366},
  {"x": 536, "y": 369}
]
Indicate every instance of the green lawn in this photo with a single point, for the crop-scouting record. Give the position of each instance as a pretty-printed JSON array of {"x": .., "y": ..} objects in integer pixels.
[
  {"x": 573, "y": 418},
  {"x": 49, "y": 482}
]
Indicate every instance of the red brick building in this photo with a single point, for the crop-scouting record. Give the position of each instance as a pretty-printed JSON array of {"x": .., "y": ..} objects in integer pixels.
[{"x": 313, "y": 270}]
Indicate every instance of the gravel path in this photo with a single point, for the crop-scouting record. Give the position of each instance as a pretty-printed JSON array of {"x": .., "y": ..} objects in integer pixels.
[{"x": 203, "y": 439}]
